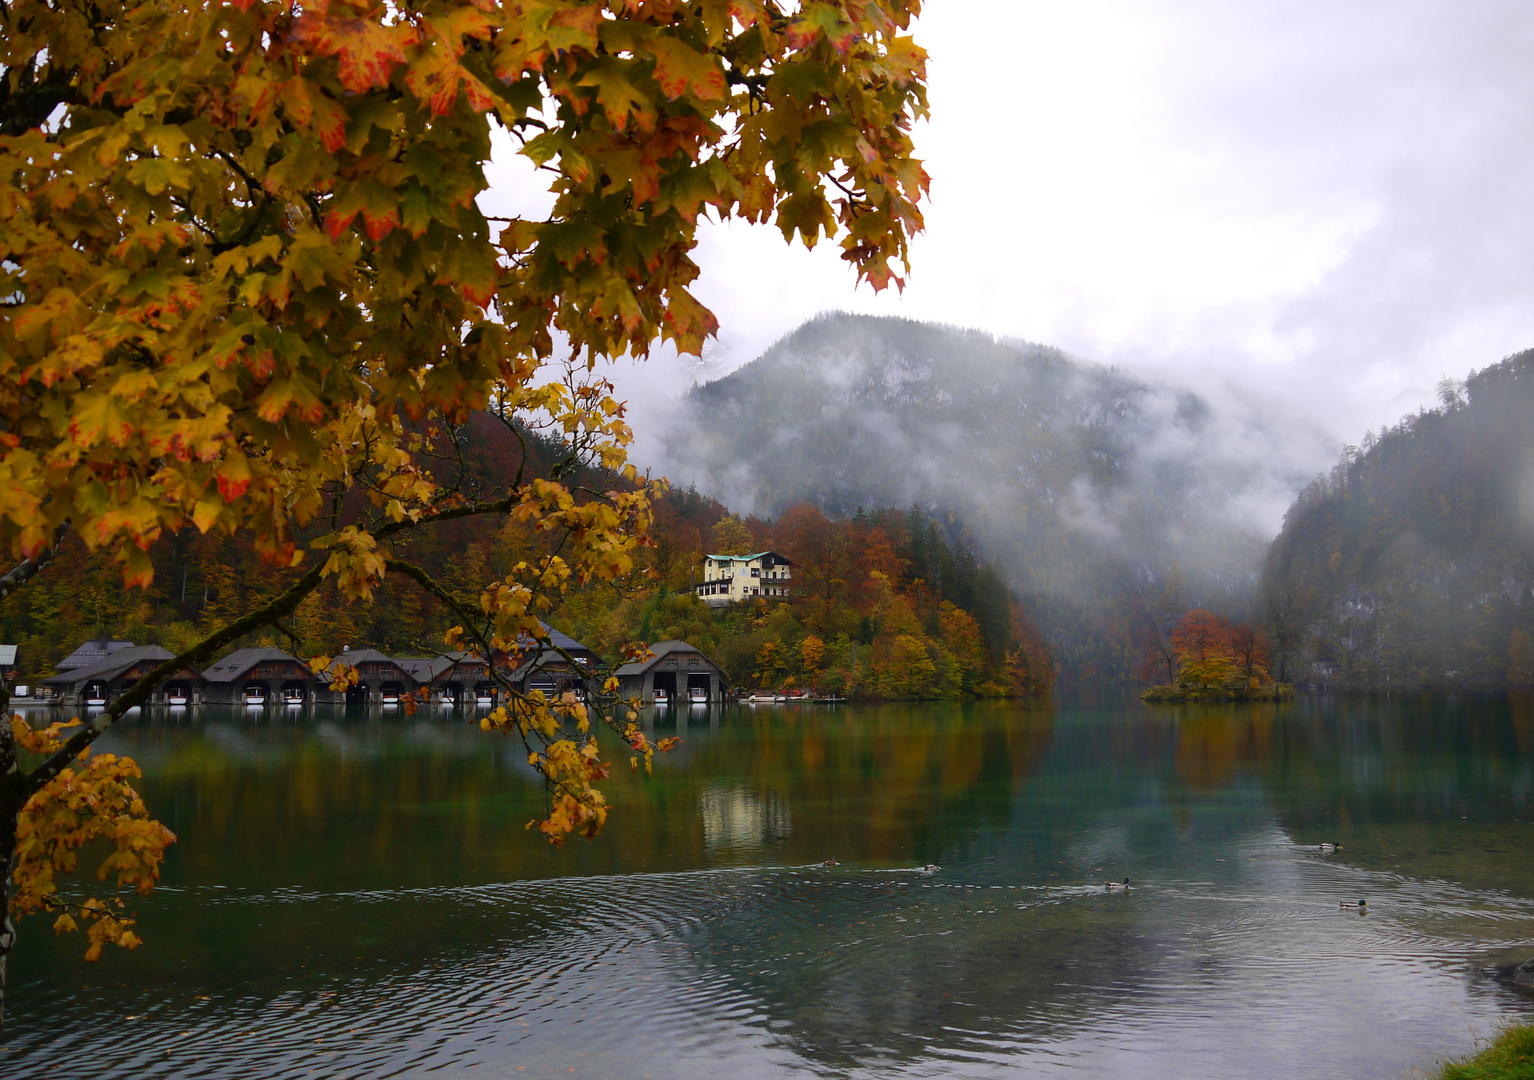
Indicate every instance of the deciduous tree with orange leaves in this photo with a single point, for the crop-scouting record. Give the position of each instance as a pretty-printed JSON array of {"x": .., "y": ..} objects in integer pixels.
[
  {"x": 1217, "y": 660},
  {"x": 249, "y": 285}
]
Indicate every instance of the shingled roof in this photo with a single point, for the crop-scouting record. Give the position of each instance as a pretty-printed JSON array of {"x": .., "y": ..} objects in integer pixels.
[
  {"x": 237, "y": 663},
  {"x": 658, "y": 652},
  {"x": 92, "y": 653},
  {"x": 110, "y": 666}
]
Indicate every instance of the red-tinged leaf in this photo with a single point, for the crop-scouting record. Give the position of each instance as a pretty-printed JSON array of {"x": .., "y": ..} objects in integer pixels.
[
  {"x": 646, "y": 182},
  {"x": 376, "y": 204},
  {"x": 620, "y": 99},
  {"x": 260, "y": 362},
  {"x": 233, "y": 478},
  {"x": 436, "y": 78},
  {"x": 906, "y": 57},
  {"x": 690, "y": 322},
  {"x": 463, "y": 22},
  {"x": 821, "y": 18},
  {"x": 138, "y": 570},
  {"x": 307, "y": 106},
  {"x": 380, "y": 220},
  {"x": 473, "y": 271},
  {"x": 100, "y": 416},
  {"x": 574, "y": 28},
  {"x": 33, "y": 317},
  {"x": 480, "y": 98},
  {"x": 618, "y": 304},
  {"x": 678, "y": 66},
  {"x": 368, "y": 51},
  {"x": 285, "y": 394},
  {"x": 206, "y": 513}
]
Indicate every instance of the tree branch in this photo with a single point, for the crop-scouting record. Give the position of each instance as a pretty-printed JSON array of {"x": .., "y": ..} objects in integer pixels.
[
  {"x": 204, "y": 650},
  {"x": 197, "y": 655},
  {"x": 28, "y": 568},
  {"x": 431, "y": 585}
]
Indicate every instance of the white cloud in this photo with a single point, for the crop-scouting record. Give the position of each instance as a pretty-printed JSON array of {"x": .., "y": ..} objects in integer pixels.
[{"x": 1320, "y": 203}]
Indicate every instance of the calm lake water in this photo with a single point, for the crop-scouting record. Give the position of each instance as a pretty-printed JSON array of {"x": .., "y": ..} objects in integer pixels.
[{"x": 355, "y": 896}]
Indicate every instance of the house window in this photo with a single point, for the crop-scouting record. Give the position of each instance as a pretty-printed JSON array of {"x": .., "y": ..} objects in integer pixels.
[{"x": 755, "y": 572}]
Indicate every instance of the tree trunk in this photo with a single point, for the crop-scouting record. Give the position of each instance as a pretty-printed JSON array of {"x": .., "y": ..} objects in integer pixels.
[
  {"x": 8, "y": 816},
  {"x": 12, "y": 783}
]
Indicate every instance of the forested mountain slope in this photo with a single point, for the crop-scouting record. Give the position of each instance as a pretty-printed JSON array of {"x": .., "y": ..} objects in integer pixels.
[
  {"x": 1089, "y": 485},
  {"x": 1412, "y": 561}
]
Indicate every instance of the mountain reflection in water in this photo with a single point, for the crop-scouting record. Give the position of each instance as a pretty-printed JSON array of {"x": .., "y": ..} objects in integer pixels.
[{"x": 355, "y": 895}]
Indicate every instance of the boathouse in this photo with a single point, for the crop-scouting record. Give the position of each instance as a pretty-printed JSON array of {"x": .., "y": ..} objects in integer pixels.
[
  {"x": 731, "y": 578},
  {"x": 673, "y": 671},
  {"x": 115, "y": 671},
  {"x": 380, "y": 679},
  {"x": 91, "y": 653},
  {"x": 536, "y": 666},
  {"x": 458, "y": 678},
  {"x": 258, "y": 676}
]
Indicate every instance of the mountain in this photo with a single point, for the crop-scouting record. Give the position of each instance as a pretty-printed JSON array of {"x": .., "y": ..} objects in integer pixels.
[
  {"x": 1096, "y": 491},
  {"x": 1412, "y": 561}
]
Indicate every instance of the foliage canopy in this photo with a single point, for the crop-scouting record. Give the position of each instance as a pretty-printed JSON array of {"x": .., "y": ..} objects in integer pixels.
[{"x": 248, "y": 284}]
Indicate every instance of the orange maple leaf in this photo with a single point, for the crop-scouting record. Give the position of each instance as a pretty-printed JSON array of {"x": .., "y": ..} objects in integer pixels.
[{"x": 368, "y": 51}]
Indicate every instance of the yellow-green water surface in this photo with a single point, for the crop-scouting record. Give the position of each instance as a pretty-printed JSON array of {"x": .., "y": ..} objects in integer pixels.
[{"x": 354, "y": 895}]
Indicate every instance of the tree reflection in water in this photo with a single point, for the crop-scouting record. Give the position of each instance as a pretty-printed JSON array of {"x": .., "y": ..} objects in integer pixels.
[{"x": 363, "y": 882}]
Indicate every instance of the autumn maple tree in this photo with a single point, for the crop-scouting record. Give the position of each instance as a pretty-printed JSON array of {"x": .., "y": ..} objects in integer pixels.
[
  {"x": 249, "y": 286},
  {"x": 1211, "y": 651}
]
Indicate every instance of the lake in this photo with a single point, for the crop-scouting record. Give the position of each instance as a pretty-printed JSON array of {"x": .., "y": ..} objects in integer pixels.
[{"x": 354, "y": 895}]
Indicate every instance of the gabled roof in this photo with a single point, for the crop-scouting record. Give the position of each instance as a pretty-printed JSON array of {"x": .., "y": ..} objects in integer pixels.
[
  {"x": 557, "y": 640},
  {"x": 110, "y": 666},
  {"x": 778, "y": 558},
  {"x": 364, "y": 656},
  {"x": 659, "y": 651},
  {"x": 92, "y": 653},
  {"x": 357, "y": 657},
  {"x": 544, "y": 658},
  {"x": 423, "y": 669},
  {"x": 241, "y": 661}
]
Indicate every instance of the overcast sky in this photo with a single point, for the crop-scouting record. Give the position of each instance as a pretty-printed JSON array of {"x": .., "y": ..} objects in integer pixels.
[{"x": 1327, "y": 202}]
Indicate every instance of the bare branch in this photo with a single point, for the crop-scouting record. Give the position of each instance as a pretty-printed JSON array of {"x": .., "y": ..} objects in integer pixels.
[
  {"x": 28, "y": 568},
  {"x": 197, "y": 655}
]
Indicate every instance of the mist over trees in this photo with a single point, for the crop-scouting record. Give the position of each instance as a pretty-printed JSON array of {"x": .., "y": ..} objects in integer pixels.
[
  {"x": 1092, "y": 489},
  {"x": 1411, "y": 562},
  {"x": 884, "y": 604}
]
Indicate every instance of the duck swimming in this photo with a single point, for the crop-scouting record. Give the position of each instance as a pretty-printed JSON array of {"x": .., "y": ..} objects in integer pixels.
[
  {"x": 831, "y": 862},
  {"x": 1357, "y": 904},
  {"x": 1329, "y": 849},
  {"x": 930, "y": 868},
  {"x": 1117, "y": 886}
]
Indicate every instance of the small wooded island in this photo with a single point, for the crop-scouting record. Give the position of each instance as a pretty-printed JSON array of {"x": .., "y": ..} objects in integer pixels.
[
  {"x": 1179, "y": 693},
  {"x": 1208, "y": 659}
]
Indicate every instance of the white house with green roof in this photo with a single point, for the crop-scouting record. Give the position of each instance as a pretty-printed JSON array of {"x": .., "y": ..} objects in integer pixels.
[{"x": 729, "y": 579}]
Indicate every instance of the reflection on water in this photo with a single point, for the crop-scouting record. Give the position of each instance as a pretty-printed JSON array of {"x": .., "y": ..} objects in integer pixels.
[
  {"x": 735, "y": 816},
  {"x": 354, "y": 895}
]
